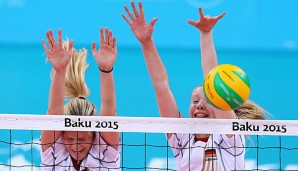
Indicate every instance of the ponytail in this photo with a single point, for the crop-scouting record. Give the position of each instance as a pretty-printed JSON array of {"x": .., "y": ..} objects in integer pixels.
[{"x": 76, "y": 89}]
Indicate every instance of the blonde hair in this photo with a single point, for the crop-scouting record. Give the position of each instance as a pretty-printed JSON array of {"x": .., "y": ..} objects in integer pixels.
[
  {"x": 76, "y": 89},
  {"x": 250, "y": 110}
]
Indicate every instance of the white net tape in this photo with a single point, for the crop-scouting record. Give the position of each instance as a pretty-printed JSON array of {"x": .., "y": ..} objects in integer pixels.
[
  {"x": 143, "y": 143},
  {"x": 149, "y": 124}
]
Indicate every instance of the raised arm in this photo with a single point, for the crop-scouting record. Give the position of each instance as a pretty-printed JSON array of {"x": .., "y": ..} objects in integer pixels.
[
  {"x": 105, "y": 58},
  {"x": 209, "y": 57},
  {"x": 59, "y": 59},
  {"x": 208, "y": 53},
  {"x": 143, "y": 32}
]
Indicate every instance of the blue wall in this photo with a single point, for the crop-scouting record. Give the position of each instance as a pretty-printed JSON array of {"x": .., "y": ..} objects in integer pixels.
[
  {"x": 249, "y": 24},
  {"x": 261, "y": 36}
]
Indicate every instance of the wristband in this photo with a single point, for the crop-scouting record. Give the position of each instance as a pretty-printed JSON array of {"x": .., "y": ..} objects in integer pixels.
[{"x": 105, "y": 71}]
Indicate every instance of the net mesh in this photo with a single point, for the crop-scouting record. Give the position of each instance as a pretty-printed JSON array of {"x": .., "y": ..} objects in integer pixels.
[{"x": 270, "y": 144}]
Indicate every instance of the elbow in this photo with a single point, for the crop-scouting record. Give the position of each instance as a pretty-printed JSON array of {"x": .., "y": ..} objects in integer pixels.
[
  {"x": 55, "y": 112},
  {"x": 108, "y": 104},
  {"x": 161, "y": 86},
  {"x": 108, "y": 110}
]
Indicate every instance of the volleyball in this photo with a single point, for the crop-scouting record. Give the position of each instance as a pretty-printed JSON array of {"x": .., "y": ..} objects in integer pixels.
[{"x": 226, "y": 87}]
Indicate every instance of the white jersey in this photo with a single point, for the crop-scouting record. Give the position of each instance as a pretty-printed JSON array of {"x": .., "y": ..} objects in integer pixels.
[
  {"x": 100, "y": 158},
  {"x": 219, "y": 153}
]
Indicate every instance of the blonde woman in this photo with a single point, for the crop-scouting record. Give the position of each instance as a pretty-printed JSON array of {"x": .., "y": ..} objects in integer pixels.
[
  {"x": 78, "y": 150},
  {"x": 196, "y": 151}
]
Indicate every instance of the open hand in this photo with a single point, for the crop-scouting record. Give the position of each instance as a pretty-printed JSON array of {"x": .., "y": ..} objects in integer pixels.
[
  {"x": 138, "y": 24},
  {"x": 106, "y": 55},
  {"x": 206, "y": 23},
  {"x": 56, "y": 54}
]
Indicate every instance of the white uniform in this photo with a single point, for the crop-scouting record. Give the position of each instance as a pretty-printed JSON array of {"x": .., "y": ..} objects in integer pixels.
[
  {"x": 219, "y": 153},
  {"x": 100, "y": 158}
]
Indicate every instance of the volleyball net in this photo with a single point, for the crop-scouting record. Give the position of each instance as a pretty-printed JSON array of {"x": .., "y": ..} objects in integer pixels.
[{"x": 270, "y": 144}]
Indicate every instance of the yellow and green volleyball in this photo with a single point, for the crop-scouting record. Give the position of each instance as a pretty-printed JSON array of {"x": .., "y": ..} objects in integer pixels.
[{"x": 226, "y": 87}]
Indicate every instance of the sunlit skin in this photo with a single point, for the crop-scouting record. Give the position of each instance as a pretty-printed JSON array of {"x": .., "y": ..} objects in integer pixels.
[
  {"x": 199, "y": 107},
  {"x": 78, "y": 143}
]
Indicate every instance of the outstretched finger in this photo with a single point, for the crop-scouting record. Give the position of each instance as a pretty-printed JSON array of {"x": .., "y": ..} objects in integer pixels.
[
  {"x": 141, "y": 9},
  {"x": 102, "y": 38},
  {"x": 49, "y": 39},
  {"x": 191, "y": 22},
  {"x": 110, "y": 38},
  {"x": 93, "y": 48},
  {"x": 201, "y": 13},
  {"x": 153, "y": 21},
  {"x": 44, "y": 45},
  {"x": 114, "y": 43},
  {"x": 129, "y": 13},
  {"x": 135, "y": 9},
  {"x": 220, "y": 16},
  {"x": 59, "y": 37},
  {"x": 107, "y": 36},
  {"x": 126, "y": 19},
  {"x": 70, "y": 46},
  {"x": 52, "y": 38}
]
